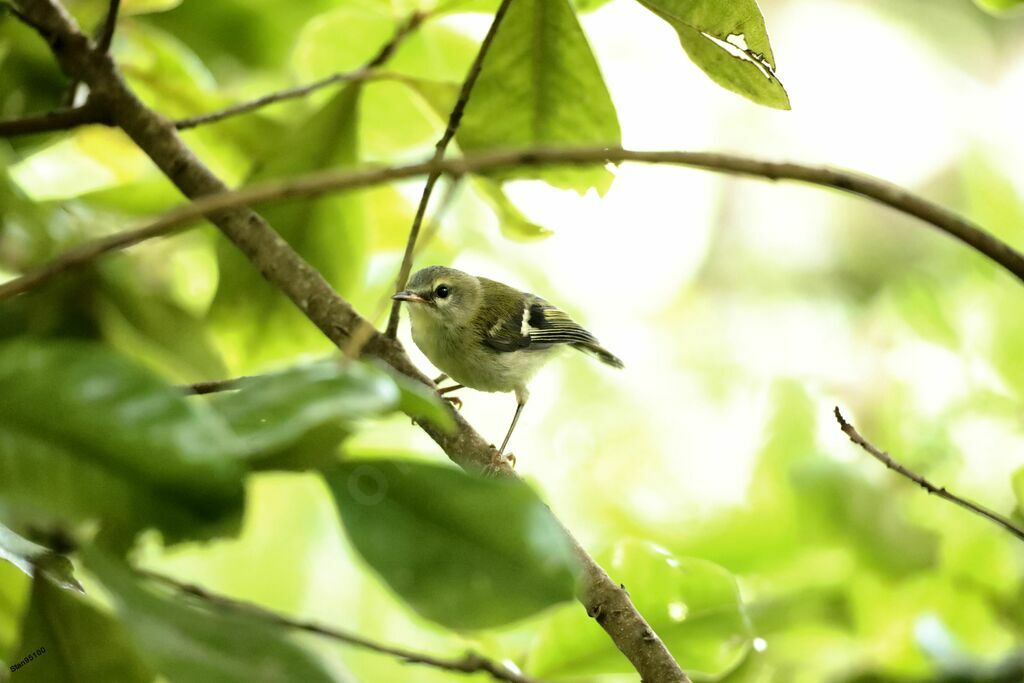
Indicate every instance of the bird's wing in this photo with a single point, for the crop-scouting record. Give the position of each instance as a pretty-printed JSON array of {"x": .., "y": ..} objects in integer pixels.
[{"x": 535, "y": 324}]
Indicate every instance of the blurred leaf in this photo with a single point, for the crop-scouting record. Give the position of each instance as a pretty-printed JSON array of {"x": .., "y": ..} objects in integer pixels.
[
  {"x": 187, "y": 641},
  {"x": 87, "y": 435},
  {"x": 141, "y": 319},
  {"x": 35, "y": 560},
  {"x": 465, "y": 552},
  {"x": 728, "y": 41},
  {"x": 511, "y": 220},
  {"x": 273, "y": 411},
  {"x": 82, "y": 642},
  {"x": 420, "y": 402},
  {"x": 366, "y": 27},
  {"x": 693, "y": 605},
  {"x": 255, "y": 322},
  {"x": 14, "y": 595},
  {"x": 999, "y": 6},
  {"x": 540, "y": 85},
  {"x": 916, "y": 300}
]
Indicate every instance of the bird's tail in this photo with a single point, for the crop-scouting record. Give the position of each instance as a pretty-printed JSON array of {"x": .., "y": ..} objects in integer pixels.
[{"x": 602, "y": 354}]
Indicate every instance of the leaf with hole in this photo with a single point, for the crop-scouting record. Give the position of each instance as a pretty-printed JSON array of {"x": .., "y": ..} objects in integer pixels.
[
  {"x": 465, "y": 552},
  {"x": 729, "y": 42}
]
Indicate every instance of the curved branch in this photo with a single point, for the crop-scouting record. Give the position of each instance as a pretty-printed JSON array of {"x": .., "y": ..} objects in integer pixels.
[
  {"x": 939, "y": 491},
  {"x": 454, "y": 119},
  {"x": 468, "y": 664},
  {"x": 317, "y": 184},
  {"x": 607, "y": 602}
]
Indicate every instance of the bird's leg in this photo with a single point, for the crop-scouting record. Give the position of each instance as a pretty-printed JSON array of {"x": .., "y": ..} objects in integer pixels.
[
  {"x": 440, "y": 378},
  {"x": 454, "y": 400},
  {"x": 521, "y": 395}
]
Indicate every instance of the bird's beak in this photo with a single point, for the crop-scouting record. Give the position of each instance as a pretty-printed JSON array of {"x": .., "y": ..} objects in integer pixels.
[{"x": 411, "y": 297}]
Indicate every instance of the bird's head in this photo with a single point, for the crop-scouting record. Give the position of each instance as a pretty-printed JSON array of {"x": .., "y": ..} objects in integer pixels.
[{"x": 441, "y": 296}]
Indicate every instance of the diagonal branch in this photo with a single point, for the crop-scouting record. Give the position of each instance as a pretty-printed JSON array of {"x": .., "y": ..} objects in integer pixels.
[
  {"x": 366, "y": 72},
  {"x": 468, "y": 664},
  {"x": 454, "y": 119},
  {"x": 316, "y": 184},
  {"x": 939, "y": 491},
  {"x": 607, "y": 602}
]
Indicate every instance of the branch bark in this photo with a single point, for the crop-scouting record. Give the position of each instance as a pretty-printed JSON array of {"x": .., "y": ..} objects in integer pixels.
[
  {"x": 316, "y": 184},
  {"x": 468, "y": 664},
  {"x": 454, "y": 119},
  {"x": 604, "y": 600},
  {"x": 939, "y": 491}
]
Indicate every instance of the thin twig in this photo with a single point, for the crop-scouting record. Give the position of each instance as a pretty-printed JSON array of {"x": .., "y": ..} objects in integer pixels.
[
  {"x": 367, "y": 72},
  {"x": 442, "y": 145},
  {"x": 939, "y": 491},
  {"x": 62, "y": 119},
  {"x": 324, "y": 182},
  {"x": 214, "y": 386},
  {"x": 470, "y": 663},
  {"x": 66, "y": 119},
  {"x": 104, "y": 37}
]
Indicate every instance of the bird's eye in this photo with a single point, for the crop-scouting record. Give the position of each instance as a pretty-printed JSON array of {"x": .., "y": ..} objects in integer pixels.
[{"x": 442, "y": 292}]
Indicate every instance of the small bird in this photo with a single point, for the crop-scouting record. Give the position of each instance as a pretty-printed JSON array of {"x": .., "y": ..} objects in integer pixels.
[{"x": 488, "y": 336}]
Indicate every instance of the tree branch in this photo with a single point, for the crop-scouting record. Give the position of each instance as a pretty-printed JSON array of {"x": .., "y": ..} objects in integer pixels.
[
  {"x": 468, "y": 664},
  {"x": 939, "y": 491},
  {"x": 104, "y": 37},
  {"x": 607, "y": 602},
  {"x": 62, "y": 119},
  {"x": 454, "y": 119},
  {"x": 316, "y": 184}
]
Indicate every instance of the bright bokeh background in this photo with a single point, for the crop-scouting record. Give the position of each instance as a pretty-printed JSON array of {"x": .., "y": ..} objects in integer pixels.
[{"x": 744, "y": 311}]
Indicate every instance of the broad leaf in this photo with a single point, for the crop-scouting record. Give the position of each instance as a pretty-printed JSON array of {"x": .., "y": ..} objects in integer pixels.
[
  {"x": 465, "y": 552},
  {"x": 540, "y": 85},
  {"x": 999, "y": 6},
  {"x": 693, "y": 605},
  {"x": 513, "y": 223},
  {"x": 1018, "y": 488},
  {"x": 71, "y": 639},
  {"x": 35, "y": 560},
  {"x": 274, "y": 411},
  {"x": 728, "y": 41},
  {"x": 255, "y": 322},
  {"x": 187, "y": 641},
  {"x": 87, "y": 435}
]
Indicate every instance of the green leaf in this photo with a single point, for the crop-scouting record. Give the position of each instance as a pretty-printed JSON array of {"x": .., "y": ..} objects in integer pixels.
[
  {"x": 693, "y": 605},
  {"x": 87, "y": 435},
  {"x": 187, "y": 641},
  {"x": 511, "y": 220},
  {"x": 255, "y": 322},
  {"x": 1000, "y": 6},
  {"x": 71, "y": 639},
  {"x": 465, "y": 552},
  {"x": 541, "y": 85},
  {"x": 273, "y": 411},
  {"x": 34, "y": 559},
  {"x": 728, "y": 41}
]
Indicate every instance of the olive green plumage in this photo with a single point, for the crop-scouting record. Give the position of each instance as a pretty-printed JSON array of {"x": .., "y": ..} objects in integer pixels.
[{"x": 486, "y": 335}]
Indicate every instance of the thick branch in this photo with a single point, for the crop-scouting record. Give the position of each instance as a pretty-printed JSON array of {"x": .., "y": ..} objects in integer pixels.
[
  {"x": 468, "y": 664},
  {"x": 454, "y": 119},
  {"x": 605, "y": 600},
  {"x": 321, "y": 183},
  {"x": 939, "y": 491}
]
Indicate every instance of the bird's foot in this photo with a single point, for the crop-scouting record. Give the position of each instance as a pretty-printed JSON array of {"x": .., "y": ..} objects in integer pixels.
[
  {"x": 501, "y": 461},
  {"x": 454, "y": 400}
]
